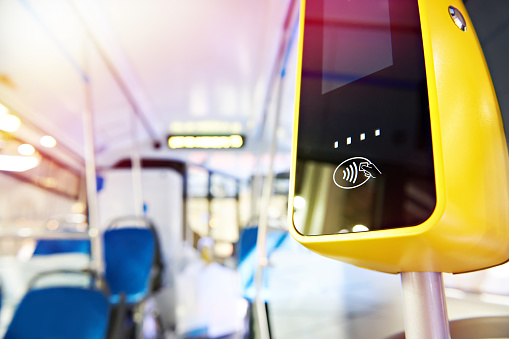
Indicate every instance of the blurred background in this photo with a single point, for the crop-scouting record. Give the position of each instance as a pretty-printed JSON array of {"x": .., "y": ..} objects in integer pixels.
[{"x": 146, "y": 71}]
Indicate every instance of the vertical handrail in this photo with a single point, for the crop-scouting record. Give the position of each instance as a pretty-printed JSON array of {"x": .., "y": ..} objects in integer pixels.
[
  {"x": 91, "y": 185},
  {"x": 209, "y": 203},
  {"x": 424, "y": 305},
  {"x": 263, "y": 221},
  {"x": 267, "y": 188},
  {"x": 136, "y": 175}
]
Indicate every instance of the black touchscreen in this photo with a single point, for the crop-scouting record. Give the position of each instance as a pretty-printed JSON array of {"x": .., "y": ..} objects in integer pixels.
[{"x": 364, "y": 151}]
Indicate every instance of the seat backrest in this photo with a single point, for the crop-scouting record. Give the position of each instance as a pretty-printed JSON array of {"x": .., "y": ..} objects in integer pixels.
[
  {"x": 247, "y": 261},
  {"x": 57, "y": 246},
  {"x": 60, "y": 313},
  {"x": 129, "y": 257},
  {"x": 247, "y": 242}
]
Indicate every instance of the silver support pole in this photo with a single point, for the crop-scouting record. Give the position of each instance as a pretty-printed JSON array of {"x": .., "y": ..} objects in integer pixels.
[
  {"x": 136, "y": 169},
  {"x": 424, "y": 306},
  {"x": 29, "y": 233},
  {"x": 263, "y": 221},
  {"x": 96, "y": 246},
  {"x": 272, "y": 116},
  {"x": 92, "y": 204}
]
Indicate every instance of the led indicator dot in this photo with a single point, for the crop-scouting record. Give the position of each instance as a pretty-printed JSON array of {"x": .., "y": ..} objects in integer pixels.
[
  {"x": 348, "y": 140},
  {"x": 336, "y": 144},
  {"x": 363, "y": 136},
  {"x": 377, "y": 132}
]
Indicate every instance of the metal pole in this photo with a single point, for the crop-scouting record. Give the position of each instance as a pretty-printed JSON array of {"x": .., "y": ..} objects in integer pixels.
[
  {"x": 209, "y": 203},
  {"x": 92, "y": 204},
  {"x": 136, "y": 174},
  {"x": 424, "y": 306},
  {"x": 96, "y": 245},
  {"x": 29, "y": 233},
  {"x": 276, "y": 84},
  {"x": 263, "y": 223}
]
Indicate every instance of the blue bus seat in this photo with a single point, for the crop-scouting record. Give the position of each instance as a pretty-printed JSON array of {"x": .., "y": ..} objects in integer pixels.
[
  {"x": 60, "y": 313},
  {"x": 129, "y": 258},
  {"x": 247, "y": 260},
  {"x": 58, "y": 246}
]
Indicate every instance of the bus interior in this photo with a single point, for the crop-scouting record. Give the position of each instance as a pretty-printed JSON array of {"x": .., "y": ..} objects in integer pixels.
[{"x": 145, "y": 150}]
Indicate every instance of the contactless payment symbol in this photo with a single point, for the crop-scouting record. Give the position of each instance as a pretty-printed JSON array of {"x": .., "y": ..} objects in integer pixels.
[{"x": 354, "y": 172}]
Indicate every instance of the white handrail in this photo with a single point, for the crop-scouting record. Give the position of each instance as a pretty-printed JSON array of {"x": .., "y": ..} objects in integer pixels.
[
  {"x": 96, "y": 249},
  {"x": 16, "y": 232}
]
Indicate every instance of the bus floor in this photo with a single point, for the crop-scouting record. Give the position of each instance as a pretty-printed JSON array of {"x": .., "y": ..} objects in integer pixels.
[{"x": 315, "y": 297}]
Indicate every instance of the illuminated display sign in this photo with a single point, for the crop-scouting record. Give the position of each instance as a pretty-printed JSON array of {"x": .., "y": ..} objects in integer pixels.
[{"x": 205, "y": 141}]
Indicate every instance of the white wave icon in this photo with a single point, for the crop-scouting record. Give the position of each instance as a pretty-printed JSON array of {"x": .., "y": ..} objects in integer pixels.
[
  {"x": 350, "y": 173},
  {"x": 351, "y": 170}
]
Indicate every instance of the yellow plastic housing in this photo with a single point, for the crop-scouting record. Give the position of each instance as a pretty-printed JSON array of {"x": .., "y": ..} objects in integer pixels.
[{"x": 469, "y": 228}]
